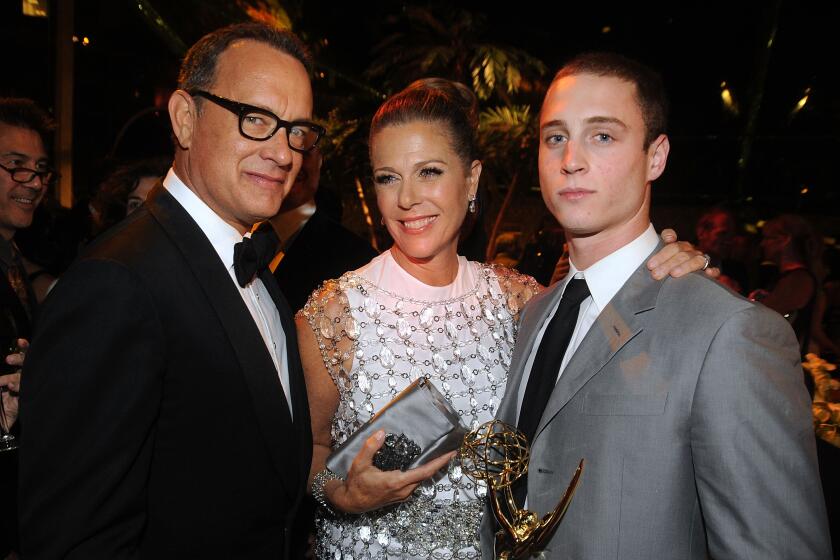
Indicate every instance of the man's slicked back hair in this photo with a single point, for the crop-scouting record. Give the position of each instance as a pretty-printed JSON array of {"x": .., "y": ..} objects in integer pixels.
[{"x": 198, "y": 69}]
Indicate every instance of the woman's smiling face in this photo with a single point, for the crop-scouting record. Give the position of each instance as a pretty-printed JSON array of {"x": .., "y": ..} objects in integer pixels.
[{"x": 423, "y": 188}]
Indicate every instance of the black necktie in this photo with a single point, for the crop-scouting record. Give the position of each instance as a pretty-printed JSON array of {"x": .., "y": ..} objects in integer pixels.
[
  {"x": 547, "y": 363},
  {"x": 253, "y": 254}
]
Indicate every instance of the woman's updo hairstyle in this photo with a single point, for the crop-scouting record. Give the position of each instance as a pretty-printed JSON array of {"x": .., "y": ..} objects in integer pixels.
[{"x": 434, "y": 100}]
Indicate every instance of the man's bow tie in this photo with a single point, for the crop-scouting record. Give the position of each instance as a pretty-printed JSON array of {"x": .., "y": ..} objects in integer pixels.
[{"x": 254, "y": 253}]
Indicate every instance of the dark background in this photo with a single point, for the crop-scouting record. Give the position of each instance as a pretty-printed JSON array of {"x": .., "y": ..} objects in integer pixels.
[{"x": 130, "y": 66}]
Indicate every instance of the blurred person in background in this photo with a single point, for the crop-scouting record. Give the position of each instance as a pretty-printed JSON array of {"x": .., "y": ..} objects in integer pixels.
[
  {"x": 789, "y": 242},
  {"x": 125, "y": 189},
  {"x": 828, "y": 307},
  {"x": 825, "y": 338},
  {"x": 507, "y": 249},
  {"x": 313, "y": 245},
  {"x": 716, "y": 232},
  {"x": 25, "y": 175}
]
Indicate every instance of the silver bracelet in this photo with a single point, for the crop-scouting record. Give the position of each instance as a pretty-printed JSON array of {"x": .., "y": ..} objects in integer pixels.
[{"x": 317, "y": 488}]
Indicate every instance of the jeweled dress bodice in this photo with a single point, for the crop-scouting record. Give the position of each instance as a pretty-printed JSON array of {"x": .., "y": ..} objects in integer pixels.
[{"x": 375, "y": 340}]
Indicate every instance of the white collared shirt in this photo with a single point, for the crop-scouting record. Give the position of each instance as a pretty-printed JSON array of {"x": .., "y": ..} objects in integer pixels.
[
  {"x": 223, "y": 237},
  {"x": 604, "y": 279}
]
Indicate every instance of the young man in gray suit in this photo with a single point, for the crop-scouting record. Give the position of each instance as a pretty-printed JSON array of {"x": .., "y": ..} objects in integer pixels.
[{"x": 685, "y": 400}]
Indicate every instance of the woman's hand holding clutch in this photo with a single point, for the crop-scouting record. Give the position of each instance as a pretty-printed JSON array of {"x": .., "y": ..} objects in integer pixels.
[{"x": 368, "y": 488}]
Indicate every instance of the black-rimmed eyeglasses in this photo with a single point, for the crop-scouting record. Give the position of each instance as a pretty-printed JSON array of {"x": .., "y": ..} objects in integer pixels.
[
  {"x": 25, "y": 175},
  {"x": 259, "y": 124}
]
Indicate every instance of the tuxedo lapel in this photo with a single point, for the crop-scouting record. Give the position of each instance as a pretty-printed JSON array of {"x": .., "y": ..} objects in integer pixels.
[
  {"x": 287, "y": 322},
  {"x": 617, "y": 324},
  {"x": 257, "y": 367},
  {"x": 299, "y": 438},
  {"x": 297, "y": 385}
]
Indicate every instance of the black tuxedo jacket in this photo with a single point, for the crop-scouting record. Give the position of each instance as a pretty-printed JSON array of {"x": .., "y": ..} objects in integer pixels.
[
  {"x": 155, "y": 424},
  {"x": 322, "y": 250},
  {"x": 11, "y": 304}
]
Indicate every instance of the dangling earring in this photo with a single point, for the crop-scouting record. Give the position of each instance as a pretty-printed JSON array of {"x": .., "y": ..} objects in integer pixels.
[{"x": 471, "y": 206}]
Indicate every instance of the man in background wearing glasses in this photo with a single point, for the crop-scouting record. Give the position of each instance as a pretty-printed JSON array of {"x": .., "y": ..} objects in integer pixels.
[
  {"x": 163, "y": 402},
  {"x": 24, "y": 178}
]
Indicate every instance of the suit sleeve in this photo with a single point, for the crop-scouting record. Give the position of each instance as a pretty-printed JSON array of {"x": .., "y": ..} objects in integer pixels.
[
  {"x": 90, "y": 394},
  {"x": 753, "y": 445}
]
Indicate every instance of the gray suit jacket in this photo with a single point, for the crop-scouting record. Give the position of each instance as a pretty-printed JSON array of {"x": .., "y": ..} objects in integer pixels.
[{"x": 688, "y": 404}]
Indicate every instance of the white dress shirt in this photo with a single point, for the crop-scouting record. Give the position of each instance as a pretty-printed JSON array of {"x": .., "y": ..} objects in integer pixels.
[
  {"x": 223, "y": 237},
  {"x": 604, "y": 279}
]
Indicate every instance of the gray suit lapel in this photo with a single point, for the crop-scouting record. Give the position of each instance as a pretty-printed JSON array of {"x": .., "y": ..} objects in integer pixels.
[
  {"x": 617, "y": 324},
  {"x": 534, "y": 315}
]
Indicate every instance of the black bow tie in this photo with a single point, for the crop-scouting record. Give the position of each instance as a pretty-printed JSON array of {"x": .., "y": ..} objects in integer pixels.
[{"x": 253, "y": 254}]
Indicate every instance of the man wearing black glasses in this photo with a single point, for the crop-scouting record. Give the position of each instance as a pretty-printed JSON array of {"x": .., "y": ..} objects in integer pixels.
[
  {"x": 163, "y": 401},
  {"x": 24, "y": 178}
]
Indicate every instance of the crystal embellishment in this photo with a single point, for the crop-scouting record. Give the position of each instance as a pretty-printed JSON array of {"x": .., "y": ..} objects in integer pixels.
[
  {"x": 364, "y": 383},
  {"x": 504, "y": 358},
  {"x": 326, "y": 326},
  {"x": 455, "y": 473},
  {"x": 484, "y": 355},
  {"x": 403, "y": 328},
  {"x": 386, "y": 357},
  {"x": 352, "y": 328},
  {"x": 426, "y": 317},
  {"x": 364, "y": 533},
  {"x": 451, "y": 331},
  {"x": 428, "y": 490},
  {"x": 467, "y": 375},
  {"x": 372, "y": 308},
  {"x": 488, "y": 315}
]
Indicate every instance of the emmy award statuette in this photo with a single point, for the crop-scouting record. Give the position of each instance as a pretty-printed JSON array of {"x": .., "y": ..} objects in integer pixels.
[{"x": 498, "y": 454}]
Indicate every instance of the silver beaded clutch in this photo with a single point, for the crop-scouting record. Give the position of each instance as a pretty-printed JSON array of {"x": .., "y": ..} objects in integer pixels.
[{"x": 419, "y": 423}]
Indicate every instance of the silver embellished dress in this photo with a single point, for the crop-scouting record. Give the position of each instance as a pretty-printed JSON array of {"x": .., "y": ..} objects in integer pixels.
[{"x": 379, "y": 329}]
